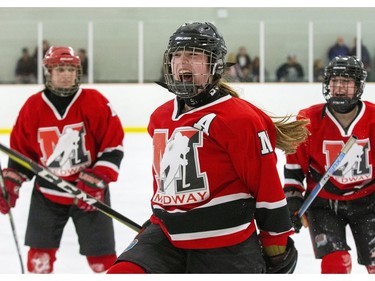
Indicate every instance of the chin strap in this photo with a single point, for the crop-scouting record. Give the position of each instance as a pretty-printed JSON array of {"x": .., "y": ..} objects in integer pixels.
[
  {"x": 207, "y": 96},
  {"x": 342, "y": 105},
  {"x": 204, "y": 98}
]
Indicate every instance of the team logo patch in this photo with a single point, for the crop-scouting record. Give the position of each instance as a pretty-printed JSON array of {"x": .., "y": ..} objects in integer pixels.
[
  {"x": 176, "y": 163},
  {"x": 355, "y": 166}
]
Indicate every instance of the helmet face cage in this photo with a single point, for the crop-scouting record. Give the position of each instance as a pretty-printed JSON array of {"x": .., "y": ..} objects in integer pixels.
[
  {"x": 60, "y": 57},
  {"x": 195, "y": 38},
  {"x": 179, "y": 83},
  {"x": 349, "y": 67}
]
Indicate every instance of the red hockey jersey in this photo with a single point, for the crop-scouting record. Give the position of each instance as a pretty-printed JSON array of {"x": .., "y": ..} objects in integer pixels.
[
  {"x": 214, "y": 171},
  {"x": 354, "y": 178},
  {"x": 88, "y": 134}
]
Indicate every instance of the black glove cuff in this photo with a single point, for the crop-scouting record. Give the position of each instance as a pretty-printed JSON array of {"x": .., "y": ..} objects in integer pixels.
[{"x": 285, "y": 263}]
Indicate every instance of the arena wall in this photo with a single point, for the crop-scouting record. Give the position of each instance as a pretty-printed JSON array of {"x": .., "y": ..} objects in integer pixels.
[{"x": 135, "y": 102}]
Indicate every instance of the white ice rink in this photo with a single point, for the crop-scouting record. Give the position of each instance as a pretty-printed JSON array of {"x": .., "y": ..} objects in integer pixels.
[{"x": 130, "y": 197}]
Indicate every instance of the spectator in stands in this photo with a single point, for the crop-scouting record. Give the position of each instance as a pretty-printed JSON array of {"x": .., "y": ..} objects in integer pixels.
[
  {"x": 243, "y": 59},
  {"x": 338, "y": 49},
  {"x": 290, "y": 71},
  {"x": 45, "y": 45},
  {"x": 318, "y": 70},
  {"x": 255, "y": 69},
  {"x": 85, "y": 64},
  {"x": 231, "y": 70},
  {"x": 246, "y": 75},
  {"x": 25, "y": 68},
  {"x": 243, "y": 65},
  {"x": 365, "y": 56},
  {"x": 229, "y": 75}
]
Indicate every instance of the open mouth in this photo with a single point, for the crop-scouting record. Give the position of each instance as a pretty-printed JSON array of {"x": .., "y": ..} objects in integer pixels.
[
  {"x": 185, "y": 76},
  {"x": 339, "y": 94}
]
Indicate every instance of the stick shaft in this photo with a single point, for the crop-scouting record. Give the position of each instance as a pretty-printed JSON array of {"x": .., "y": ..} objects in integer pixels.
[
  {"x": 67, "y": 187},
  {"x": 11, "y": 220}
]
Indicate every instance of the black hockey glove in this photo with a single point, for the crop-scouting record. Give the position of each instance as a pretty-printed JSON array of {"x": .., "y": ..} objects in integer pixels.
[
  {"x": 295, "y": 201},
  {"x": 284, "y": 263}
]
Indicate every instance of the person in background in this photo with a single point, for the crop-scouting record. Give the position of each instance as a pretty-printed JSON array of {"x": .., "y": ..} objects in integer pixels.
[
  {"x": 25, "y": 69},
  {"x": 255, "y": 69},
  {"x": 290, "y": 71},
  {"x": 338, "y": 49},
  {"x": 85, "y": 64},
  {"x": 365, "y": 56},
  {"x": 230, "y": 73},
  {"x": 45, "y": 47},
  {"x": 243, "y": 65},
  {"x": 215, "y": 179},
  {"x": 243, "y": 59},
  {"x": 318, "y": 70},
  {"x": 348, "y": 198},
  {"x": 60, "y": 128}
]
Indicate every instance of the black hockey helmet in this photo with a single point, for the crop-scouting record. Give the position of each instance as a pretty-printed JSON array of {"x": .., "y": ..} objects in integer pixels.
[
  {"x": 350, "y": 67},
  {"x": 195, "y": 37}
]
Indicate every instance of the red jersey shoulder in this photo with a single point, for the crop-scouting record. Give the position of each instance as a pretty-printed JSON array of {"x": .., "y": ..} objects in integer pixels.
[
  {"x": 265, "y": 121},
  {"x": 92, "y": 96},
  {"x": 163, "y": 113},
  {"x": 33, "y": 104},
  {"x": 34, "y": 98},
  {"x": 312, "y": 111},
  {"x": 370, "y": 106},
  {"x": 91, "y": 100},
  {"x": 168, "y": 106},
  {"x": 368, "y": 116},
  {"x": 242, "y": 108}
]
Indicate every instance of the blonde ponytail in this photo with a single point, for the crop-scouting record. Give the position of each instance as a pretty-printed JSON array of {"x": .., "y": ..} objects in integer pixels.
[{"x": 290, "y": 134}]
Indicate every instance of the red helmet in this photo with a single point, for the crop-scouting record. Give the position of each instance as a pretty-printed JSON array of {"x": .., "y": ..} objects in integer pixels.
[{"x": 60, "y": 56}]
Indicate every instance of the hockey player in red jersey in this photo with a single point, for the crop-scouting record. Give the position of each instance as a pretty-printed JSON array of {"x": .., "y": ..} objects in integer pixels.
[
  {"x": 214, "y": 169},
  {"x": 61, "y": 129},
  {"x": 348, "y": 199}
]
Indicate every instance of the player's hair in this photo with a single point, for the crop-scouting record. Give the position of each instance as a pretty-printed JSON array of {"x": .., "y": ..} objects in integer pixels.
[{"x": 289, "y": 133}]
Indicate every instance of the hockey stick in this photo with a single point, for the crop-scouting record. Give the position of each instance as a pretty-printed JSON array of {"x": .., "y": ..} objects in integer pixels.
[
  {"x": 5, "y": 195},
  {"x": 351, "y": 141},
  {"x": 44, "y": 173}
]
